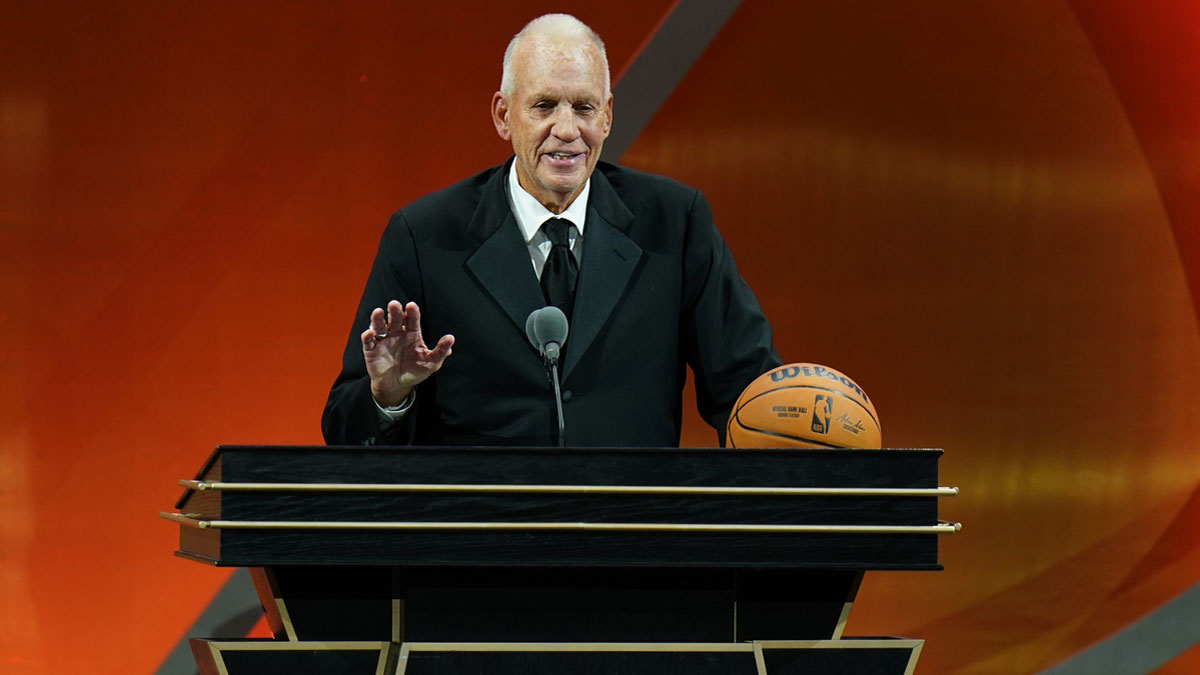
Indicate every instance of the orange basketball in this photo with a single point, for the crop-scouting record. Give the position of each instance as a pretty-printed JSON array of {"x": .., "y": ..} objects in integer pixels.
[{"x": 803, "y": 405}]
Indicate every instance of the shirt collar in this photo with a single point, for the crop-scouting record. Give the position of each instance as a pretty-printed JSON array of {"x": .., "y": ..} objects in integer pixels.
[{"x": 530, "y": 213}]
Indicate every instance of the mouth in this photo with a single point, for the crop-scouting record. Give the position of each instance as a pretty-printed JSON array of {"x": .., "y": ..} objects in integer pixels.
[{"x": 564, "y": 157}]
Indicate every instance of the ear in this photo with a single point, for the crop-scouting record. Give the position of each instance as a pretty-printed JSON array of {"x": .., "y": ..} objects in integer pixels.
[
  {"x": 500, "y": 111},
  {"x": 608, "y": 112}
]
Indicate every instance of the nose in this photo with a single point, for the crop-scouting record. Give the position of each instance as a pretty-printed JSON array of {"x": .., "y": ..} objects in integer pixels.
[{"x": 566, "y": 127}]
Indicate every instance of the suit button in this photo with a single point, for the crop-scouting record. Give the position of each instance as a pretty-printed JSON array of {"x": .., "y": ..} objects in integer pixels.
[{"x": 566, "y": 396}]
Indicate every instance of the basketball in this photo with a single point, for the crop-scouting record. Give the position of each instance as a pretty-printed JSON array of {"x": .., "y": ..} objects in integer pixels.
[{"x": 803, "y": 405}]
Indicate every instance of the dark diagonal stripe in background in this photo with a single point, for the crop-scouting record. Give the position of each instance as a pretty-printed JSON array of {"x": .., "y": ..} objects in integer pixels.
[
  {"x": 231, "y": 613},
  {"x": 1144, "y": 645},
  {"x": 660, "y": 65}
]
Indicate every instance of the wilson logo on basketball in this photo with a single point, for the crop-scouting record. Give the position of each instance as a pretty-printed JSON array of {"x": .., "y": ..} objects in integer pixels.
[
  {"x": 810, "y": 370},
  {"x": 803, "y": 405}
]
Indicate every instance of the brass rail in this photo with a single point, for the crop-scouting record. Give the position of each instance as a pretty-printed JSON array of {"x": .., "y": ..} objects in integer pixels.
[
  {"x": 191, "y": 521},
  {"x": 203, "y": 486}
]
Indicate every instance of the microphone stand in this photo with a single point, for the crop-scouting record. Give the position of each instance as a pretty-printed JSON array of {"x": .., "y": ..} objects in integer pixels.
[{"x": 562, "y": 434}]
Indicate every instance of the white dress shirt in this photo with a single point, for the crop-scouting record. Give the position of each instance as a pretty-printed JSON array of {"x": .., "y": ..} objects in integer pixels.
[{"x": 530, "y": 215}]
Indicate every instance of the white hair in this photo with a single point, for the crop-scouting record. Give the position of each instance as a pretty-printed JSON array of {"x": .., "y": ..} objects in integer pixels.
[{"x": 559, "y": 26}]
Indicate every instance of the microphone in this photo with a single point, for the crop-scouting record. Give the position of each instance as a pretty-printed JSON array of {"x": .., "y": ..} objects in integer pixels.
[{"x": 547, "y": 330}]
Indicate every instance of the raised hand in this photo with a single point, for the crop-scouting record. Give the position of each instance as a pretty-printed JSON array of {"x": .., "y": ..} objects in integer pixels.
[{"x": 396, "y": 355}]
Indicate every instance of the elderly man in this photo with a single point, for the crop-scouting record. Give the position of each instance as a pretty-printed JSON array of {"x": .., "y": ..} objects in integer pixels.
[{"x": 633, "y": 259}]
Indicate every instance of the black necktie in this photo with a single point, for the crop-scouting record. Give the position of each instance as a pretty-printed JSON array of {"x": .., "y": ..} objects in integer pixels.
[{"x": 561, "y": 270}]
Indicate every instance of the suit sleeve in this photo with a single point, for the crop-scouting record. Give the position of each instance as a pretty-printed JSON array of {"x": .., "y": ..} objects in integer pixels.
[
  {"x": 726, "y": 337},
  {"x": 351, "y": 417}
]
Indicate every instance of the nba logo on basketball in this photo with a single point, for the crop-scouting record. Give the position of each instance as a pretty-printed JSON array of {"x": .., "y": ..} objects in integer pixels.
[{"x": 822, "y": 409}]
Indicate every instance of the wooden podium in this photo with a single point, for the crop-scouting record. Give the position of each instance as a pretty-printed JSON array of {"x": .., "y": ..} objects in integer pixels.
[{"x": 382, "y": 560}]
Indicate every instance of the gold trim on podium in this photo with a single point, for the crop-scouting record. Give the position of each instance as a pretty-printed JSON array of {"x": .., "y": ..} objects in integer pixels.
[
  {"x": 746, "y": 647},
  {"x": 721, "y": 647},
  {"x": 217, "y": 659},
  {"x": 393, "y": 657},
  {"x": 202, "y": 486},
  {"x": 844, "y": 617},
  {"x": 756, "y": 648},
  {"x": 855, "y": 643},
  {"x": 278, "y": 618},
  {"x": 760, "y": 662},
  {"x": 216, "y": 648},
  {"x": 192, "y": 521}
]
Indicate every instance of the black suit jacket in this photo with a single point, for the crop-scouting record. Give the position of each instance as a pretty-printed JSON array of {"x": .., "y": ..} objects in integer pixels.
[{"x": 657, "y": 290}]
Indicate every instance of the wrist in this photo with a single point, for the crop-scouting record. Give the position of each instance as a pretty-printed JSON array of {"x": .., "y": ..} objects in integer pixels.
[{"x": 390, "y": 399}]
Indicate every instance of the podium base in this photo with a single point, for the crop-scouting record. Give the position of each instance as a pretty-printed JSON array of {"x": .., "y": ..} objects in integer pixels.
[{"x": 875, "y": 655}]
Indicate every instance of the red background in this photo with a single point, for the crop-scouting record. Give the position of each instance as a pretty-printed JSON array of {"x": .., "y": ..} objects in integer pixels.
[{"x": 984, "y": 212}]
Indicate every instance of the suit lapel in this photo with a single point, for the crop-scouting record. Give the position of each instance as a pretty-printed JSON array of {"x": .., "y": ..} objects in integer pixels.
[
  {"x": 501, "y": 263},
  {"x": 609, "y": 261}
]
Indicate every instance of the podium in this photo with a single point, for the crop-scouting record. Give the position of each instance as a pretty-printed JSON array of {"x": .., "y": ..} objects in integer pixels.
[{"x": 448, "y": 560}]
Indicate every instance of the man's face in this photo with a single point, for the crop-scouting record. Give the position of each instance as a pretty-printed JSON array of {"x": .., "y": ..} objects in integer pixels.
[{"x": 557, "y": 118}]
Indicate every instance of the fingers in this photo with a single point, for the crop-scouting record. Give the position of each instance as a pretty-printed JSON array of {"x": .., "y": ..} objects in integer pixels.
[
  {"x": 395, "y": 317},
  {"x": 385, "y": 322},
  {"x": 442, "y": 348},
  {"x": 433, "y": 358},
  {"x": 377, "y": 330},
  {"x": 412, "y": 318},
  {"x": 399, "y": 319}
]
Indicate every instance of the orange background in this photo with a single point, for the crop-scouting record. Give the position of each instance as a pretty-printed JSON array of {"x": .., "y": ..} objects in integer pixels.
[{"x": 983, "y": 212}]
